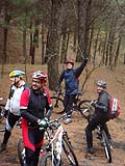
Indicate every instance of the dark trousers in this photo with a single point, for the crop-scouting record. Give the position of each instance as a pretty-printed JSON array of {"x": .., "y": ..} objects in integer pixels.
[
  {"x": 68, "y": 103},
  {"x": 32, "y": 157},
  {"x": 11, "y": 121},
  {"x": 98, "y": 118}
]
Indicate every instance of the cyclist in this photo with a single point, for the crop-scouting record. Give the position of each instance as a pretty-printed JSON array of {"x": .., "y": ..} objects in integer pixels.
[
  {"x": 71, "y": 75},
  {"x": 100, "y": 115},
  {"x": 35, "y": 105},
  {"x": 12, "y": 107}
]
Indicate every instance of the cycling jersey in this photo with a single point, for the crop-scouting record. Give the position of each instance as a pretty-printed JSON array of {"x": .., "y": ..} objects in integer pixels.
[
  {"x": 13, "y": 102},
  {"x": 34, "y": 105}
]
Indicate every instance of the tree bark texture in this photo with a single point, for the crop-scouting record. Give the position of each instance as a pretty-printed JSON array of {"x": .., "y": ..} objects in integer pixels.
[
  {"x": 84, "y": 11},
  {"x": 53, "y": 43}
]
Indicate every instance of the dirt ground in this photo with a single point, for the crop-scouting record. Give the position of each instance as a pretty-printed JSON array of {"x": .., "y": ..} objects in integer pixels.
[{"x": 76, "y": 130}]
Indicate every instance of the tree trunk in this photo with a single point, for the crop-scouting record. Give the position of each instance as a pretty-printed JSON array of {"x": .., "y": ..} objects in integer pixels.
[
  {"x": 107, "y": 51},
  {"x": 96, "y": 46},
  {"x": 5, "y": 30},
  {"x": 53, "y": 43},
  {"x": 90, "y": 41},
  {"x": 104, "y": 48},
  {"x": 117, "y": 51},
  {"x": 84, "y": 11},
  {"x": 111, "y": 40},
  {"x": 35, "y": 37},
  {"x": 24, "y": 44},
  {"x": 65, "y": 42},
  {"x": 124, "y": 59},
  {"x": 43, "y": 44}
]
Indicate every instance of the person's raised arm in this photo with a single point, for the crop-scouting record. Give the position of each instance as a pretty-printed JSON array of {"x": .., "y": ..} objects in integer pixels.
[{"x": 79, "y": 70}]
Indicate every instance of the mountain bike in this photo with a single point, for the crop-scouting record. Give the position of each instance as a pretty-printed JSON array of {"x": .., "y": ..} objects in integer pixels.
[
  {"x": 101, "y": 134},
  {"x": 57, "y": 150},
  {"x": 78, "y": 105},
  {"x": 58, "y": 147}
]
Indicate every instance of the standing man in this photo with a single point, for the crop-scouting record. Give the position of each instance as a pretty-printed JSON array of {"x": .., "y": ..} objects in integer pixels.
[
  {"x": 12, "y": 107},
  {"x": 71, "y": 75},
  {"x": 101, "y": 114},
  {"x": 35, "y": 105}
]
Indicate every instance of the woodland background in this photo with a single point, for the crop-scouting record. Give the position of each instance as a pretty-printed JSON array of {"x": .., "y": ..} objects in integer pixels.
[{"x": 49, "y": 31}]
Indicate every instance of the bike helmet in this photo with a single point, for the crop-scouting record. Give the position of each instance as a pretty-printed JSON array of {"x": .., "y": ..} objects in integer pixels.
[
  {"x": 101, "y": 83},
  {"x": 16, "y": 73},
  {"x": 39, "y": 75}
]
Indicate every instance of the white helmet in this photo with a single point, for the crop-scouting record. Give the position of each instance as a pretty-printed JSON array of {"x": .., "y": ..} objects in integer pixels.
[
  {"x": 101, "y": 83},
  {"x": 39, "y": 75}
]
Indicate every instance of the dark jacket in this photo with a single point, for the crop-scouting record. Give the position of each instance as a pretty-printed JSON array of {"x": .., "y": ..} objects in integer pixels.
[
  {"x": 71, "y": 78},
  {"x": 103, "y": 102}
]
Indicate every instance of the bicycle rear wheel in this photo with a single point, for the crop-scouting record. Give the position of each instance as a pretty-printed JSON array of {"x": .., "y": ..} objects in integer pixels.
[
  {"x": 21, "y": 152},
  {"x": 106, "y": 146},
  {"x": 68, "y": 150},
  {"x": 57, "y": 105},
  {"x": 83, "y": 105}
]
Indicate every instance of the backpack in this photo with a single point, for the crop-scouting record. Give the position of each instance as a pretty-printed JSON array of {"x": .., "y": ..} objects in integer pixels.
[{"x": 114, "y": 108}]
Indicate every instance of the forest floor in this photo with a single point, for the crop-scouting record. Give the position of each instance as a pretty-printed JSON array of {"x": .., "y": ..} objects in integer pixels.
[{"x": 76, "y": 129}]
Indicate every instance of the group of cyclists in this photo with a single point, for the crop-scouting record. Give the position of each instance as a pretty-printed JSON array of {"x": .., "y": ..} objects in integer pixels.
[{"x": 33, "y": 104}]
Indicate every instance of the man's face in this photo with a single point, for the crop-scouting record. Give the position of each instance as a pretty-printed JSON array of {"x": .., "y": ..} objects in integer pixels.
[
  {"x": 14, "y": 80},
  {"x": 69, "y": 66},
  {"x": 37, "y": 84},
  {"x": 99, "y": 89}
]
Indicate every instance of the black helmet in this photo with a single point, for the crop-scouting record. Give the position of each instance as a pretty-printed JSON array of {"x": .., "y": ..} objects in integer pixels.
[{"x": 101, "y": 83}]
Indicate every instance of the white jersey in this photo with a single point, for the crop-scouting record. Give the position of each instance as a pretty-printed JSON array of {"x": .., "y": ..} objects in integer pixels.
[{"x": 13, "y": 103}]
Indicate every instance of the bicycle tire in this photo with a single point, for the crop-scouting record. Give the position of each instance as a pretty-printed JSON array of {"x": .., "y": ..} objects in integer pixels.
[
  {"x": 1, "y": 109},
  {"x": 2, "y": 125},
  {"x": 2, "y": 119},
  {"x": 85, "y": 104},
  {"x": 21, "y": 152},
  {"x": 106, "y": 147},
  {"x": 47, "y": 161},
  {"x": 68, "y": 150},
  {"x": 58, "y": 105}
]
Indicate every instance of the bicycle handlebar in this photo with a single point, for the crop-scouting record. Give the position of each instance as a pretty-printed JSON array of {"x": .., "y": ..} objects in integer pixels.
[{"x": 56, "y": 122}]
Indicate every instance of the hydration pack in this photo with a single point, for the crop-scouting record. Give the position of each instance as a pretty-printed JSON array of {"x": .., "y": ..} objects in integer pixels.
[{"x": 114, "y": 108}]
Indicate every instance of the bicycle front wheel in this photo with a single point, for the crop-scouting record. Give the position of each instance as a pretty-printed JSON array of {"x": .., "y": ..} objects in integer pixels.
[
  {"x": 106, "y": 146},
  {"x": 58, "y": 105},
  {"x": 47, "y": 161},
  {"x": 21, "y": 152},
  {"x": 68, "y": 150}
]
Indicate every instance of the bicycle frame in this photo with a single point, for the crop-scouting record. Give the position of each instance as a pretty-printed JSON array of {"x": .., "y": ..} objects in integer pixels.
[
  {"x": 58, "y": 147},
  {"x": 57, "y": 140}
]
